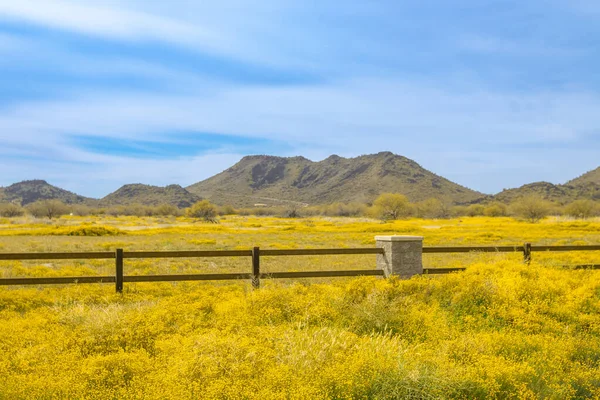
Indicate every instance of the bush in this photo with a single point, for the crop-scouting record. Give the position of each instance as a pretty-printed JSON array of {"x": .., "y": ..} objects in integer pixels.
[
  {"x": 203, "y": 209},
  {"x": 532, "y": 208},
  {"x": 90, "y": 231},
  {"x": 291, "y": 211},
  {"x": 475, "y": 210},
  {"x": 392, "y": 206},
  {"x": 47, "y": 208},
  {"x": 432, "y": 208},
  {"x": 582, "y": 209},
  {"x": 10, "y": 210},
  {"x": 227, "y": 210},
  {"x": 495, "y": 210},
  {"x": 167, "y": 210},
  {"x": 83, "y": 210}
]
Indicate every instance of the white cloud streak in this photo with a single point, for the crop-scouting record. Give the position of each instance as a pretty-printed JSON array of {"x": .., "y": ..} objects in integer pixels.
[
  {"x": 453, "y": 128},
  {"x": 357, "y": 117}
]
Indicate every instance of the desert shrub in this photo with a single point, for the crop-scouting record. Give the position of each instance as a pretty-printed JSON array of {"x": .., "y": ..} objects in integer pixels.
[
  {"x": 582, "y": 209},
  {"x": 9, "y": 210},
  {"x": 166, "y": 210},
  {"x": 432, "y": 208},
  {"x": 291, "y": 211},
  {"x": 392, "y": 206},
  {"x": 495, "y": 210},
  {"x": 340, "y": 209},
  {"x": 458, "y": 211},
  {"x": 475, "y": 210},
  {"x": 47, "y": 209},
  {"x": 531, "y": 208},
  {"x": 203, "y": 209},
  {"x": 226, "y": 210},
  {"x": 90, "y": 231},
  {"x": 83, "y": 210},
  {"x": 135, "y": 210},
  {"x": 262, "y": 211}
]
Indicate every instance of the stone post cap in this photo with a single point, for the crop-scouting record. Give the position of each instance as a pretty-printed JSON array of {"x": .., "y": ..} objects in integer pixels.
[{"x": 399, "y": 238}]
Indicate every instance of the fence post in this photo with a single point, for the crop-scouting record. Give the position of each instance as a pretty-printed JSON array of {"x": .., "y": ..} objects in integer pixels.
[
  {"x": 256, "y": 268},
  {"x": 402, "y": 255},
  {"x": 527, "y": 253},
  {"x": 119, "y": 270}
]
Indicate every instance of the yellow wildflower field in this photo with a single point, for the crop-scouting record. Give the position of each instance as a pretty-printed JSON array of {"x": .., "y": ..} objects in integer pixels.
[{"x": 500, "y": 329}]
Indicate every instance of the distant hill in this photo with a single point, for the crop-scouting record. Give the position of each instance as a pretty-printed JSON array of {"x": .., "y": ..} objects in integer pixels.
[
  {"x": 31, "y": 191},
  {"x": 587, "y": 178},
  {"x": 276, "y": 180},
  {"x": 558, "y": 193},
  {"x": 150, "y": 196}
]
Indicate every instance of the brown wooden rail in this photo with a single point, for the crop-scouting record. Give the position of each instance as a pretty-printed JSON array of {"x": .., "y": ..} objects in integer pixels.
[{"x": 120, "y": 255}]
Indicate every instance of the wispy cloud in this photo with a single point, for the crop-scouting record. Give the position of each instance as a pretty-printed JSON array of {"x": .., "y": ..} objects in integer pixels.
[{"x": 467, "y": 89}]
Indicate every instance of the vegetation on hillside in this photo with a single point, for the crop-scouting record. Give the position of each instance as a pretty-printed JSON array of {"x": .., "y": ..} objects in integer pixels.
[
  {"x": 148, "y": 195},
  {"x": 27, "y": 192},
  {"x": 388, "y": 206},
  {"x": 280, "y": 181}
]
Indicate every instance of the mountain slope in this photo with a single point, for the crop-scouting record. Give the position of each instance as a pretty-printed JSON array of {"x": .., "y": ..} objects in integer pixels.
[
  {"x": 31, "y": 191},
  {"x": 272, "y": 180},
  {"x": 587, "y": 178},
  {"x": 150, "y": 195},
  {"x": 558, "y": 193}
]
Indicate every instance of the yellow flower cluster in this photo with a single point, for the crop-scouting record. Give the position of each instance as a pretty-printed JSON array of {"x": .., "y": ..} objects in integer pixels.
[{"x": 501, "y": 329}]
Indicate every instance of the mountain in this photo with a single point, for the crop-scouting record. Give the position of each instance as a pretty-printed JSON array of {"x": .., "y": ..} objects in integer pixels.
[
  {"x": 277, "y": 180},
  {"x": 587, "y": 178},
  {"x": 558, "y": 193},
  {"x": 31, "y": 191},
  {"x": 150, "y": 195}
]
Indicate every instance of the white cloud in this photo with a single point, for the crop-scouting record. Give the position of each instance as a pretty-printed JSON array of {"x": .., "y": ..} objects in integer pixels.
[
  {"x": 110, "y": 173},
  {"x": 443, "y": 130},
  {"x": 95, "y": 19},
  {"x": 446, "y": 125}
]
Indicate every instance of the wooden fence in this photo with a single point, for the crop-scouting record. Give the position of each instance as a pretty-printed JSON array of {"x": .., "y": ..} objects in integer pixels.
[{"x": 120, "y": 255}]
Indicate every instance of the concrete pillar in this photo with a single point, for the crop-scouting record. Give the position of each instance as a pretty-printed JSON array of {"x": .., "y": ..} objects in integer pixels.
[{"x": 403, "y": 255}]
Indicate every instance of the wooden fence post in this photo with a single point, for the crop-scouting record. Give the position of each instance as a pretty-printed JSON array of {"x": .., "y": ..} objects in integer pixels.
[
  {"x": 119, "y": 270},
  {"x": 256, "y": 268},
  {"x": 527, "y": 253}
]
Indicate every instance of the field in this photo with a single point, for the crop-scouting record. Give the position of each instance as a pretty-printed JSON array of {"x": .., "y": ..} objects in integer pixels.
[{"x": 501, "y": 329}]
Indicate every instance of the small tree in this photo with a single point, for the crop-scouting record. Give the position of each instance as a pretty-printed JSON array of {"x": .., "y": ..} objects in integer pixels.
[
  {"x": 392, "y": 206},
  {"x": 10, "y": 210},
  {"x": 47, "y": 208},
  {"x": 203, "y": 209},
  {"x": 495, "y": 210},
  {"x": 582, "y": 209},
  {"x": 166, "y": 210},
  {"x": 532, "y": 208},
  {"x": 475, "y": 210},
  {"x": 433, "y": 208}
]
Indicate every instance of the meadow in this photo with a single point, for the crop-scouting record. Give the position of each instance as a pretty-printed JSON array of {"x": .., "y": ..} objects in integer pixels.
[{"x": 500, "y": 329}]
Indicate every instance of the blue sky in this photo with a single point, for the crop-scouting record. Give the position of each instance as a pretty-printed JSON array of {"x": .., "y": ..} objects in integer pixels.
[{"x": 95, "y": 94}]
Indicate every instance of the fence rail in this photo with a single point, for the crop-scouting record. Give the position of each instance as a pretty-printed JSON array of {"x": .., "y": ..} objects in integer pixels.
[{"x": 256, "y": 253}]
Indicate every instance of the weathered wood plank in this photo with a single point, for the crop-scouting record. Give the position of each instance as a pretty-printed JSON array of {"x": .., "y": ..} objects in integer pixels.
[
  {"x": 181, "y": 254},
  {"x": 186, "y": 277},
  {"x": 256, "y": 267},
  {"x": 119, "y": 270},
  {"x": 323, "y": 274},
  {"x": 566, "y": 248},
  {"x": 56, "y": 280},
  {"x": 57, "y": 256},
  {"x": 320, "y": 252},
  {"x": 468, "y": 249},
  {"x": 435, "y": 271}
]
